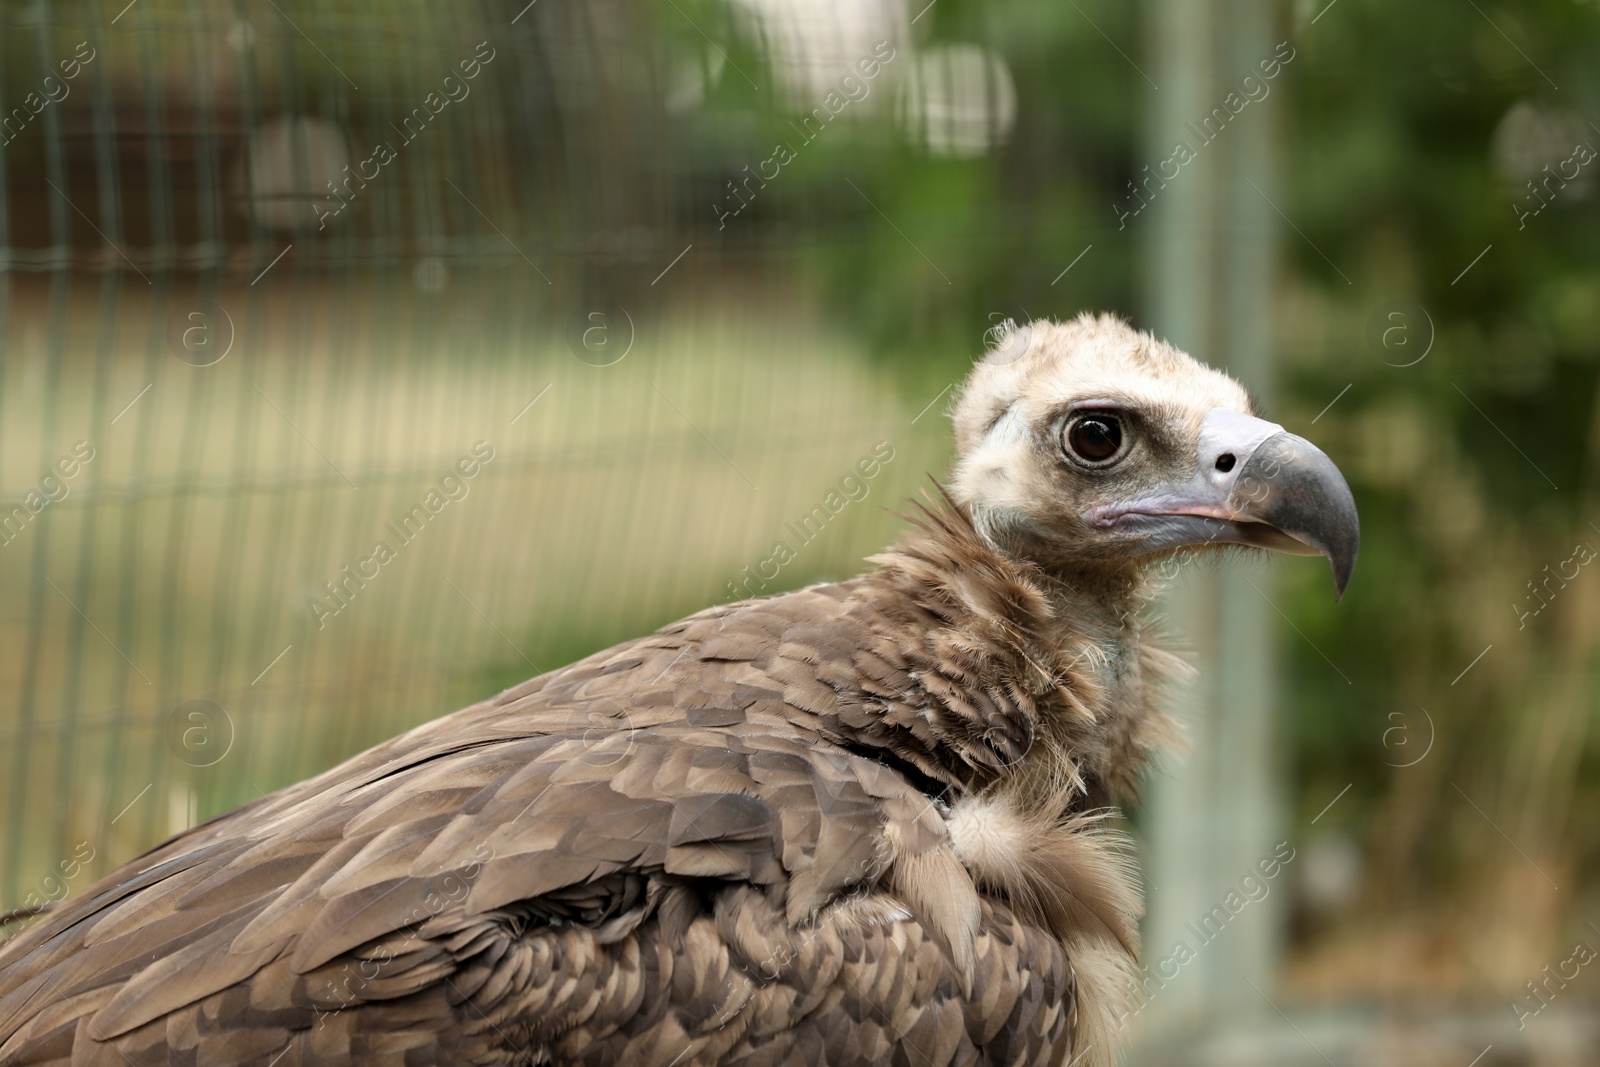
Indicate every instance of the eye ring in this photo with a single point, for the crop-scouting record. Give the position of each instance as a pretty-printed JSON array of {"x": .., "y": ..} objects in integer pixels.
[{"x": 1095, "y": 438}]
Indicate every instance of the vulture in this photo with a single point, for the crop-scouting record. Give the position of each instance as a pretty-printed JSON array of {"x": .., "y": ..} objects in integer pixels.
[{"x": 864, "y": 822}]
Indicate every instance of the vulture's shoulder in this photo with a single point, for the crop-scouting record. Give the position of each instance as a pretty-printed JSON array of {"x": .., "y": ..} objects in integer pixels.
[{"x": 538, "y": 865}]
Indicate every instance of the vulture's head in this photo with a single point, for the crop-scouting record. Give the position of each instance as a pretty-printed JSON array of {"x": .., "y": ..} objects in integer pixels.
[{"x": 1088, "y": 447}]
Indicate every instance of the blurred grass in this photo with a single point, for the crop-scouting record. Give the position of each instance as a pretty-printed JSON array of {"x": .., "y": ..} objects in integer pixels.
[{"x": 626, "y": 496}]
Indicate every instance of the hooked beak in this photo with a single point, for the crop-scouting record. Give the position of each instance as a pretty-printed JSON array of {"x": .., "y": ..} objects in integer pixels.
[{"x": 1254, "y": 484}]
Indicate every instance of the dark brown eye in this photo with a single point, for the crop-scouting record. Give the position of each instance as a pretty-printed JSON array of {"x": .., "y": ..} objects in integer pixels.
[{"x": 1095, "y": 438}]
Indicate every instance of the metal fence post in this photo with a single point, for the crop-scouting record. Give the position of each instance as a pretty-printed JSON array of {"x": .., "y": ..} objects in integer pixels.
[{"x": 1215, "y": 811}]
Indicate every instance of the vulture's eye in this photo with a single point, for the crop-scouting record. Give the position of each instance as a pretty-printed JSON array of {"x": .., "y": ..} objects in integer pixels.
[{"x": 1095, "y": 438}]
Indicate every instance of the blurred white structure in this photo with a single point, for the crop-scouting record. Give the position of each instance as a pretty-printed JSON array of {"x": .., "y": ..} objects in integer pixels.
[
  {"x": 1531, "y": 138},
  {"x": 958, "y": 100},
  {"x": 812, "y": 44},
  {"x": 288, "y": 165}
]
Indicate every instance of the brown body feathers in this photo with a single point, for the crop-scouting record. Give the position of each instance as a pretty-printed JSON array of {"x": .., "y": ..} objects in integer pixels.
[{"x": 790, "y": 830}]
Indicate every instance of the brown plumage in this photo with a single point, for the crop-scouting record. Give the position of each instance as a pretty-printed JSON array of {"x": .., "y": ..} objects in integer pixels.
[{"x": 859, "y": 823}]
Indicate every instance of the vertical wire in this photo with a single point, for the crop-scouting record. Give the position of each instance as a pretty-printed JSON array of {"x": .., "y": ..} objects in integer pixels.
[
  {"x": 169, "y": 679},
  {"x": 453, "y": 645},
  {"x": 133, "y": 601},
  {"x": 25, "y": 762},
  {"x": 286, "y": 393},
  {"x": 12, "y": 830},
  {"x": 257, "y": 644},
  {"x": 344, "y": 507},
  {"x": 427, "y": 231},
  {"x": 225, "y": 660},
  {"x": 110, "y": 211}
]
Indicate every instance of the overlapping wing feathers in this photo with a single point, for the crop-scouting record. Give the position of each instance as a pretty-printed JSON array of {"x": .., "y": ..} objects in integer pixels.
[{"x": 651, "y": 853}]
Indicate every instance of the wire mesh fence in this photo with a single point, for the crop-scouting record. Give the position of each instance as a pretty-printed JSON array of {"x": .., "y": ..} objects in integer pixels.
[{"x": 360, "y": 359}]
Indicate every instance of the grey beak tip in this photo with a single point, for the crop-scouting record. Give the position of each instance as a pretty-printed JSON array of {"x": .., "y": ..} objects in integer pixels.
[
  {"x": 1309, "y": 500},
  {"x": 1342, "y": 554},
  {"x": 1344, "y": 545},
  {"x": 1341, "y": 578}
]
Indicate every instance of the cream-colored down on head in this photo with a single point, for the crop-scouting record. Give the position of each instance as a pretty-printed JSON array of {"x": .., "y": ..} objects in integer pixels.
[{"x": 1007, "y": 472}]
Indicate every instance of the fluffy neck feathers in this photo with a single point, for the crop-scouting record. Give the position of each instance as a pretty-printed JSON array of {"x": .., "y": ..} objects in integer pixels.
[{"x": 1037, "y": 684}]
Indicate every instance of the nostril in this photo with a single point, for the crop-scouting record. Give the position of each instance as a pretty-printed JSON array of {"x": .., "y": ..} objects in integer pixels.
[{"x": 1225, "y": 462}]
